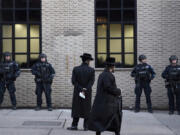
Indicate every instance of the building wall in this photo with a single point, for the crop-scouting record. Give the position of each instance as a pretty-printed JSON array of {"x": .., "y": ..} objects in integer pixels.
[{"x": 68, "y": 31}]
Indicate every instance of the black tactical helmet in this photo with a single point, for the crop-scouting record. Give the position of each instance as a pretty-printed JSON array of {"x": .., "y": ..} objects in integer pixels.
[
  {"x": 7, "y": 54},
  {"x": 142, "y": 57},
  {"x": 173, "y": 57},
  {"x": 42, "y": 55}
]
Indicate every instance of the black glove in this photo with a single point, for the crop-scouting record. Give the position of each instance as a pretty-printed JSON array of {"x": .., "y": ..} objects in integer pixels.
[{"x": 38, "y": 75}]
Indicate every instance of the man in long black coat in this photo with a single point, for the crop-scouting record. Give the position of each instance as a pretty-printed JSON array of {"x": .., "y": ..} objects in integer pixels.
[
  {"x": 106, "y": 113},
  {"x": 83, "y": 78}
]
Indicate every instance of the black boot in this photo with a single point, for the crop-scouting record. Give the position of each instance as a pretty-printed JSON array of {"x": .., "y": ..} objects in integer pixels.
[
  {"x": 178, "y": 112},
  {"x": 98, "y": 133},
  {"x": 137, "y": 110},
  {"x": 150, "y": 110},
  {"x": 38, "y": 108},
  {"x": 117, "y": 133},
  {"x": 72, "y": 128},
  {"x": 50, "y": 109},
  {"x": 14, "y": 107},
  {"x": 171, "y": 112}
]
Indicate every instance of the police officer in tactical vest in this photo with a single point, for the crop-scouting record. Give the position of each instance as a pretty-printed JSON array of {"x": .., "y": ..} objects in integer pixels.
[
  {"x": 9, "y": 71},
  {"x": 83, "y": 77},
  {"x": 171, "y": 74},
  {"x": 143, "y": 74},
  {"x": 44, "y": 74}
]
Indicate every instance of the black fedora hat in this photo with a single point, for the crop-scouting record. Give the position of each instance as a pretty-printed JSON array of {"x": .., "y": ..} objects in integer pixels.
[
  {"x": 110, "y": 61},
  {"x": 86, "y": 56}
]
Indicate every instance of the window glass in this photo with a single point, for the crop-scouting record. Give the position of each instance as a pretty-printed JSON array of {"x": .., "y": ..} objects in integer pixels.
[
  {"x": 34, "y": 31},
  {"x": 115, "y": 45},
  {"x": 7, "y": 31},
  {"x": 20, "y": 30},
  {"x": 115, "y": 30},
  {"x": 7, "y": 45},
  {"x": 20, "y": 46},
  {"x": 102, "y": 46},
  {"x": 34, "y": 46},
  {"x": 6, "y": 4}
]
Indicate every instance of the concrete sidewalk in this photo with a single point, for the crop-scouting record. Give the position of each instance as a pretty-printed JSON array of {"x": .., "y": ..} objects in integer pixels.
[{"x": 30, "y": 122}]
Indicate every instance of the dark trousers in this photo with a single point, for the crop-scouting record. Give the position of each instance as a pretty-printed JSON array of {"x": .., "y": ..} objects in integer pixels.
[
  {"x": 11, "y": 88},
  {"x": 172, "y": 95},
  {"x": 46, "y": 88},
  {"x": 76, "y": 121},
  {"x": 138, "y": 91}
]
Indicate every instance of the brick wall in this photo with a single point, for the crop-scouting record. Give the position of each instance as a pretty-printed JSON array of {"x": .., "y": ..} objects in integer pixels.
[{"x": 68, "y": 31}]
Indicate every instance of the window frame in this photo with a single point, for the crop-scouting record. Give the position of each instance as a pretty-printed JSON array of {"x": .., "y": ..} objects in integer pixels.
[
  {"x": 108, "y": 53},
  {"x": 28, "y": 38}
]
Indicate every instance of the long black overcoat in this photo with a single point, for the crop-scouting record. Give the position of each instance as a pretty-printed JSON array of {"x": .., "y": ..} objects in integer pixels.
[
  {"x": 83, "y": 76},
  {"x": 107, "y": 105}
]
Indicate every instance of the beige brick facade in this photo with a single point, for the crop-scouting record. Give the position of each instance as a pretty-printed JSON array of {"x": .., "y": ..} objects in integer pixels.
[{"x": 68, "y": 31}]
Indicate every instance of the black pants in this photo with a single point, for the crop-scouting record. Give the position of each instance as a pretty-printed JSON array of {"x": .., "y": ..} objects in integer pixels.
[
  {"x": 172, "y": 94},
  {"x": 76, "y": 121},
  {"x": 138, "y": 91},
  {"x": 11, "y": 88},
  {"x": 46, "y": 88}
]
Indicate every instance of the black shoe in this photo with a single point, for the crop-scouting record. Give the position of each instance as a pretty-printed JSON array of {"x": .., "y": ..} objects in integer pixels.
[
  {"x": 136, "y": 110},
  {"x": 98, "y": 133},
  {"x": 38, "y": 108},
  {"x": 85, "y": 129},
  {"x": 72, "y": 128},
  {"x": 150, "y": 111},
  {"x": 171, "y": 112},
  {"x": 50, "y": 109},
  {"x": 14, "y": 108},
  {"x": 117, "y": 133},
  {"x": 178, "y": 113}
]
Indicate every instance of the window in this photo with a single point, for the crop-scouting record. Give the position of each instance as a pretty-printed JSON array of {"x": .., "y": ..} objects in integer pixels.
[
  {"x": 115, "y": 36},
  {"x": 20, "y": 30}
]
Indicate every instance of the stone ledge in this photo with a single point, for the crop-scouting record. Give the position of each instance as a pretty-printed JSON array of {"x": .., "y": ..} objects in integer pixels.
[{"x": 117, "y": 69}]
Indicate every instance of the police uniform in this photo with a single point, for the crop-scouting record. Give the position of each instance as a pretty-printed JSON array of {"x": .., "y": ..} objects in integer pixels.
[
  {"x": 143, "y": 74},
  {"x": 44, "y": 74},
  {"x": 9, "y": 71},
  {"x": 172, "y": 76}
]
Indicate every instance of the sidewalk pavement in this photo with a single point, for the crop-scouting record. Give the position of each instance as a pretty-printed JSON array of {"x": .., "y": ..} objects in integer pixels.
[{"x": 30, "y": 122}]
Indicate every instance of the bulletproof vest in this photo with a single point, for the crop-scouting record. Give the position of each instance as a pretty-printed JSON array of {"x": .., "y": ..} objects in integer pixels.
[
  {"x": 174, "y": 73},
  {"x": 143, "y": 72},
  {"x": 44, "y": 69},
  {"x": 8, "y": 67}
]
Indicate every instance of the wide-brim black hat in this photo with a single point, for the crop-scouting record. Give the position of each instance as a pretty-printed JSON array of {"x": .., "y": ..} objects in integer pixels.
[
  {"x": 86, "y": 56},
  {"x": 110, "y": 61}
]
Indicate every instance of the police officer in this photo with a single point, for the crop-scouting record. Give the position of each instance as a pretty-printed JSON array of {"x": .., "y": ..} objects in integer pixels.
[
  {"x": 83, "y": 77},
  {"x": 172, "y": 76},
  {"x": 9, "y": 71},
  {"x": 143, "y": 74},
  {"x": 44, "y": 74}
]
